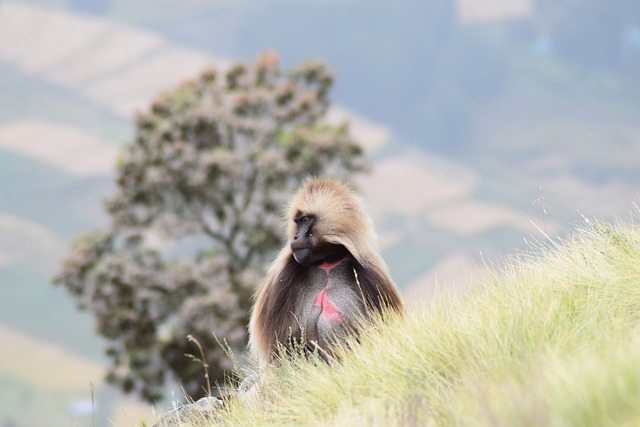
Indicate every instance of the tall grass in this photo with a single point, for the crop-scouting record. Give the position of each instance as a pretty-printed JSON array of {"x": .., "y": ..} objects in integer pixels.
[{"x": 553, "y": 339}]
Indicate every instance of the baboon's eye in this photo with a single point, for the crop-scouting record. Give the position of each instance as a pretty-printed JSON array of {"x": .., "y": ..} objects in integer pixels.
[{"x": 303, "y": 219}]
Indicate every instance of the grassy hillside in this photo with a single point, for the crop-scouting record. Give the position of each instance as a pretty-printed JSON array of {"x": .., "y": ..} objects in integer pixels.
[{"x": 553, "y": 339}]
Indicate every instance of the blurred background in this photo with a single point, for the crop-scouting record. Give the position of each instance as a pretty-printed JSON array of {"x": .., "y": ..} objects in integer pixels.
[{"x": 491, "y": 123}]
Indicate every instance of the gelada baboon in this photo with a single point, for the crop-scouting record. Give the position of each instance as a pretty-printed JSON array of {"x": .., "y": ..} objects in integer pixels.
[{"x": 327, "y": 278}]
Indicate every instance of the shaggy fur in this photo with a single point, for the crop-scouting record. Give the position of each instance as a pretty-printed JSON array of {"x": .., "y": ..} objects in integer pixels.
[{"x": 342, "y": 220}]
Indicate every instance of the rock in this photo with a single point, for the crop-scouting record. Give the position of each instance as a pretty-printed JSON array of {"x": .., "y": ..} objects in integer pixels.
[{"x": 205, "y": 409}]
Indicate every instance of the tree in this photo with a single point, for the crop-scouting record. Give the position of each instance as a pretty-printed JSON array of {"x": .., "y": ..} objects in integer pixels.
[{"x": 208, "y": 171}]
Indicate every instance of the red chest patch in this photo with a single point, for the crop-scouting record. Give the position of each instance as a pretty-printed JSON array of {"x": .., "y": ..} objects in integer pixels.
[
  {"x": 329, "y": 310},
  {"x": 327, "y": 266}
]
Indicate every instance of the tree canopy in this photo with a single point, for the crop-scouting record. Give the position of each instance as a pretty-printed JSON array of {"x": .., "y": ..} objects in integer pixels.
[{"x": 195, "y": 217}]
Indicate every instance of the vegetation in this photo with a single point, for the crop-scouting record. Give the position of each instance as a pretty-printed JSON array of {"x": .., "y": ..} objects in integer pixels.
[
  {"x": 551, "y": 340},
  {"x": 205, "y": 177}
]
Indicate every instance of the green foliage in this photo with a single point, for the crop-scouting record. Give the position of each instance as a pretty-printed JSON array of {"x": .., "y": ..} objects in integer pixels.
[
  {"x": 208, "y": 170},
  {"x": 552, "y": 340}
]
